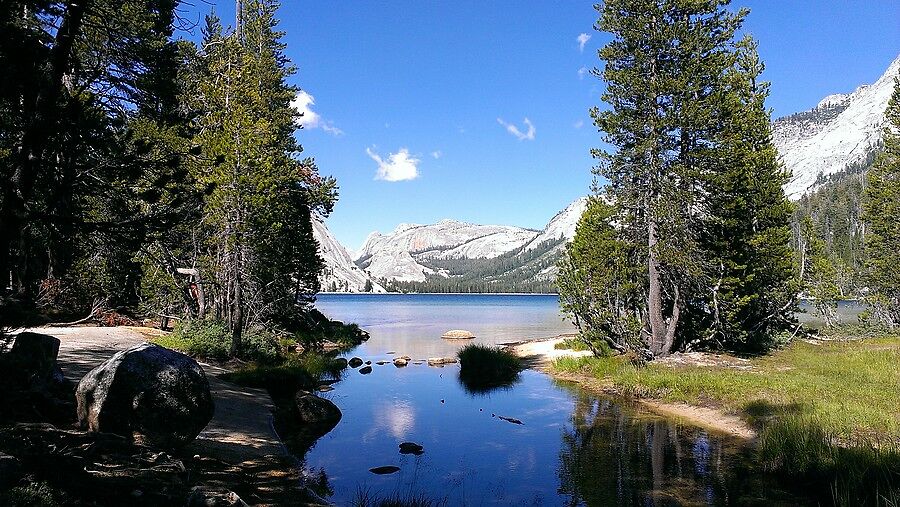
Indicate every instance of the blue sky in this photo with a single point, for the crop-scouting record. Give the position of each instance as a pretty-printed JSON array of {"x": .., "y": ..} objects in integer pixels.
[{"x": 442, "y": 91}]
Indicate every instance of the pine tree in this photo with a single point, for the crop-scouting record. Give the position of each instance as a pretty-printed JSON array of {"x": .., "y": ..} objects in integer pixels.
[
  {"x": 746, "y": 235},
  {"x": 882, "y": 209},
  {"x": 664, "y": 68}
]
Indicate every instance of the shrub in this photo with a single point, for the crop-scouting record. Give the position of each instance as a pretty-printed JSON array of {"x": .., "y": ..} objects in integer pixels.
[
  {"x": 211, "y": 339},
  {"x": 37, "y": 494}
]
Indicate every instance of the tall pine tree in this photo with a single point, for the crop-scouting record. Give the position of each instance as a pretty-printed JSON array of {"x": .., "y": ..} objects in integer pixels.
[{"x": 882, "y": 207}]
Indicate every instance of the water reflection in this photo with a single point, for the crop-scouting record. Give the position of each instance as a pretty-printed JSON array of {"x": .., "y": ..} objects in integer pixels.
[
  {"x": 612, "y": 456},
  {"x": 477, "y": 385}
]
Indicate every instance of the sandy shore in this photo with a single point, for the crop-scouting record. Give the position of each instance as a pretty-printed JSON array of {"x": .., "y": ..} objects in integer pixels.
[{"x": 541, "y": 353}]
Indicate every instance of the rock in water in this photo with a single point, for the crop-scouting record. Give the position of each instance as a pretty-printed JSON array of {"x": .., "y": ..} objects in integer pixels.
[
  {"x": 155, "y": 392},
  {"x": 365, "y": 370},
  {"x": 355, "y": 362},
  {"x": 389, "y": 469},
  {"x": 440, "y": 361},
  {"x": 400, "y": 362},
  {"x": 411, "y": 448},
  {"x": 316, "y": 411},
  {"x": 458, "y": 334}
]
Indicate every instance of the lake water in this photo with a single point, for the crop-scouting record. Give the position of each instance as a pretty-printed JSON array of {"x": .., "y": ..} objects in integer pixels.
[{"x": 572, "y": 448}]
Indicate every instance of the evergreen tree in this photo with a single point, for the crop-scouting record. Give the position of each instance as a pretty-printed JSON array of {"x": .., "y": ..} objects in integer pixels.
[
  {"x": 746, "y": 234},
  {"x": 882, "y": 209},
  {"x": 698, "y": 230}
]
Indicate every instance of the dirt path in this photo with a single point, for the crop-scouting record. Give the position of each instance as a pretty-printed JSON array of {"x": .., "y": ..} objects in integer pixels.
[
  {"x": 541, "y": 353},
  {"x": 241, "y": 427}
]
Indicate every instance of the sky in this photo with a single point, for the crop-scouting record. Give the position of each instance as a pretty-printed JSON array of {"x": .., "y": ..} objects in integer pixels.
[{"x": 478, "y": 110}]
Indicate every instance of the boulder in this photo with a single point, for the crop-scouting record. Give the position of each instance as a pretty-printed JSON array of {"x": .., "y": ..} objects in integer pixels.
[
  {"x": 148, "y": 390},
  {"x": 341, "y": 362},
  {"x": 365, "y": 370},
  {"x": 355, "y": 362},
  {"x": 458, "y": 334},
  {"x": 400, "y": 362},
  {"x": 10, "y": 471},
  {"x": 33, "y": 355},
  {"x": 315, "y": 413}
]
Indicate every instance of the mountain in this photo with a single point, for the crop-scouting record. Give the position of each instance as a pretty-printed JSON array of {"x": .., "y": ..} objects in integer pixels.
[
  {"x": 452, "y": 256},
  {"x": 405, "y": 254},
  {"x": 340, "y": 273},
  {"x": 842, "y": 131}
]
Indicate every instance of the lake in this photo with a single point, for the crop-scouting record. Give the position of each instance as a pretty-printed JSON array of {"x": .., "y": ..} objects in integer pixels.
[{"x": 572, "y": 448}]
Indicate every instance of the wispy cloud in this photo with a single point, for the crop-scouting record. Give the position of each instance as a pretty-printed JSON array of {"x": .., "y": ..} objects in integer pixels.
[
  {"x": 578, "y": 124},
  {"x": 514, "y": 130},
  {"x": 437, "y": 154},
  {"x": 310, "y": 119},
  {"x": 582, "y": 72},
  {"x": 398, "y": 166},
  {"x": 582, "y": 39}
]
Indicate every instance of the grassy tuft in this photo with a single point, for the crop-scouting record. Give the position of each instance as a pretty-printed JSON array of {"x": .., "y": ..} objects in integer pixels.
[
  {"x": 299, "y": 371},
  {"x": 365, "y": 498},
  {"x": 483, "y": 368},
  {"x": 572, "y": 344}
]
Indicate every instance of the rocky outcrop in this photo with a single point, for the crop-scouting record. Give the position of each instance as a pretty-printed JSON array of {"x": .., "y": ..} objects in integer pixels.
[
  {"x": 33, "y": 357},
  {"x": 161, "y": 395},
  {"x": 458, "y": 334},
  {"x": 203, "y": 496},
  {"x": 440, "y": 361}
]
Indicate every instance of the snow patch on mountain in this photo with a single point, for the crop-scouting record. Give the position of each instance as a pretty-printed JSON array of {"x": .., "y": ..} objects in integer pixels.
[{"x": 841, "y": 131}]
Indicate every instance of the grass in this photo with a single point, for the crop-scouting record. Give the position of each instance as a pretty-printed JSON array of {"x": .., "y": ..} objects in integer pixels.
[
  {"x": 298, "y": 371},
  {"x": 572, "y": 344},
  {"x": 484, "y": 368},
  {"x": 366, "y": 498},
  {"x": 850, "y": 387},
  {"x": 211, "y": 340},
  {"x": 828, "y": 412}
]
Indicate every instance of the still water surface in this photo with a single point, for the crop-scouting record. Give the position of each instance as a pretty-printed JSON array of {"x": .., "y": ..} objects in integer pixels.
[{"x": 573, "y": 448}]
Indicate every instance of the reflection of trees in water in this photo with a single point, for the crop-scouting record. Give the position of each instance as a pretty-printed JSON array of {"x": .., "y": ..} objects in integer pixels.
[{"x": 611, "y": 457}]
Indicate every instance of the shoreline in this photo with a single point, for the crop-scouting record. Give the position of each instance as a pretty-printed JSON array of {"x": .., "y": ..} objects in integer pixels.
[{"x": 541, "y": 352}]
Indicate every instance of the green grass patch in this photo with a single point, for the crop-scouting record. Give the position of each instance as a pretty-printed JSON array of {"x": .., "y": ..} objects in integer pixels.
[
  {"x": 572, "y": 344},
  {"x": 850, "y": 387},
  {"x": 211, "y": 339},
  {"x": 297, "y": 371},
  {"x": 827, "y": 411}
]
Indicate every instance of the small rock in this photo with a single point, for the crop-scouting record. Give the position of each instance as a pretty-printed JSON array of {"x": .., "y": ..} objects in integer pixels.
[
  {"x": 355, "y": 362},
  {"x": 440, "y": 361},
  {"x": 381, "y": 363},
  {"x": 341, "y": 362},
  {"x": 411, "y": 448},
  {"x": 400, "y": 362},
  {"x": 510, "y": 419},
  {"x": 368, "y": 362},
  {"x": 385, "y": 470},
  {"x": 365, "y": 370},
  {"x": 324, "y": 388},
  {"x": 458, "y": 334},
  {"x": 390, "y": 353}
]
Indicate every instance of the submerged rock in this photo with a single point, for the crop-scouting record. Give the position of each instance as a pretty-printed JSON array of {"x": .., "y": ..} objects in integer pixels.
[
  {"x": 385, "y": 470},
  {"x": 355, "y": 362},
  {"x": 365, "y": 370},
  {"x": 148, "y": 390},
  {"x": 411, "y": 448},
  {"x": 458, "y": 334},
  {"x": 381, "y": 363}
]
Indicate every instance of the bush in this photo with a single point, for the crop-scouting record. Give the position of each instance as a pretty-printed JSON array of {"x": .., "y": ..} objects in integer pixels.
[
  {"x": 303, "y": 371},
  {"x": 483, "y": 368},
  {"x": 211, "y": 339},
  {"x": 38, "y": 494}
]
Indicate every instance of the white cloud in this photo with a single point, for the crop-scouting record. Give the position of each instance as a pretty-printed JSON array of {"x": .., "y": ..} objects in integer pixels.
[
  {"x": 582, "y": 72},
  {"x": 310, "y": 119},
  {"x": 582, "y": 40},
  {"x": 578, "y": 124},
  {"x": 399, "y": 166},
  {"x": 514, "y": 130},
  {"x": 437, "y": 154}
]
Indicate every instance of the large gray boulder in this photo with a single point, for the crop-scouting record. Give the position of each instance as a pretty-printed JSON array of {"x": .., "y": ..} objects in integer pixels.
[
  {"x": 33, "y": 356},
  {"x": 157, "y": 393}
]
